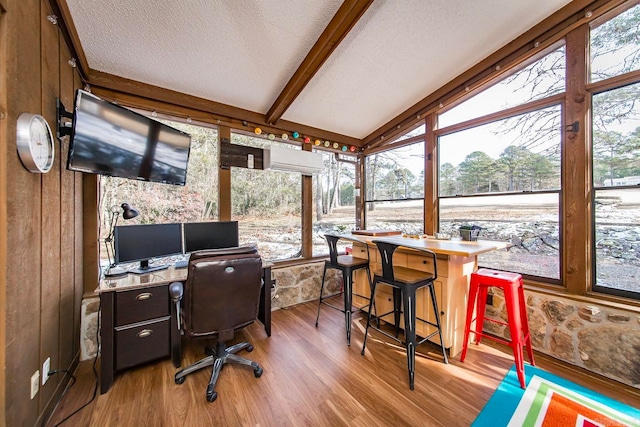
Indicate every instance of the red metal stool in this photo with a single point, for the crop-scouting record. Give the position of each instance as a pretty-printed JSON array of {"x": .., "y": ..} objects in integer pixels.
[{"x": 511, "y": 285}]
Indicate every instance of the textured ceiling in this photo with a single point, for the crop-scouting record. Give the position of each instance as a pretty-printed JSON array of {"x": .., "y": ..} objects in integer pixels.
[{"x": 243, "y": 52}]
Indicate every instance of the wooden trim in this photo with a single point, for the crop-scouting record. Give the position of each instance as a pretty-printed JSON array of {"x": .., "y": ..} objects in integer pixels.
[
  {"x": 614, "y": 82},
  {"x": 5, "y": 36},
  {"x": 397, "y": 144},
  {"x": 69, "y": 282},
  {"x": 70, "y": 34},
  {"x": 431, "y": 203},
  {"x": 51, "y": 217},
  {"x": 536, "y": 39},
  {"x": 307, "y": 212},
  {"x": 90, "y": 230},
  {"x": 576, "y": 165},
  {"x": 224, "y": 178},
  {"x": 359, "y": 188},
  {"x": 382, "y": 147},
  {"x": 141, "y": 95},
  {"x": 503, "y": 114},
  {"x": 622, "y": 7},
  {"x": 343, "y": 21}
]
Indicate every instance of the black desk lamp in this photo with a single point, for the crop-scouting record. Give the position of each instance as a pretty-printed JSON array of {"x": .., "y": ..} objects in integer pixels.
[{"x": 128, "y": 213}]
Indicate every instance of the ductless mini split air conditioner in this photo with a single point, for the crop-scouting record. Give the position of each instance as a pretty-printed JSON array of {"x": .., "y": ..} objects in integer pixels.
[{"x": 289, "y": 160}]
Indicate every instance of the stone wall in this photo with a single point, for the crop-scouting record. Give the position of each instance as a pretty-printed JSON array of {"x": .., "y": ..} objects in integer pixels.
[
  {"x": 600, "y": 339},
  {"x": 89, "y": 328},
  {"x": 301, "y": 283}
]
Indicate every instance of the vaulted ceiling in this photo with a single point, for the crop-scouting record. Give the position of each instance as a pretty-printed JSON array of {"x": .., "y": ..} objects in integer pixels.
[{"x": 349, "y": 67}]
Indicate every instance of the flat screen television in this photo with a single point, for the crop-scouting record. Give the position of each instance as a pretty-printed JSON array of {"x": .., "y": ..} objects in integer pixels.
[
  {"x": 142, "y": 242},
  {"x": 210, "y": 235},
  {"x": 109, "y": 139}
]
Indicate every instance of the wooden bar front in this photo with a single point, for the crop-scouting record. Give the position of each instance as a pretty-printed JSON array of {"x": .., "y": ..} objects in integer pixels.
[{"x": 456, "y": 260}]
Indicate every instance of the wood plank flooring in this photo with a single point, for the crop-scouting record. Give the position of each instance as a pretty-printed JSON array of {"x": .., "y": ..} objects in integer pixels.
[{"x": 311, "y": 378}]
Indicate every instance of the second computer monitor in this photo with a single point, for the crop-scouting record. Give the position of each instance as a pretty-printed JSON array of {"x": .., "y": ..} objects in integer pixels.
[{"x": 210, "y": 235}]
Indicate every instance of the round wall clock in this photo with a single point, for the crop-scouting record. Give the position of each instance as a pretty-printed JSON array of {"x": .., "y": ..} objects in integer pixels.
[{"x": 35, "y": 143}]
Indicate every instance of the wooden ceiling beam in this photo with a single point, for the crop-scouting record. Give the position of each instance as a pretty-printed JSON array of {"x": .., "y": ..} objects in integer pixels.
[
  {"x": 540, "y": 36},
  {"x": 343, "y": 21}
]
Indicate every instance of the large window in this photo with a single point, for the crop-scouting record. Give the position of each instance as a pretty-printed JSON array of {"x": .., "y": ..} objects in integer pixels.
[
  {"x": 615, "y": 47},
  {"x": 268, "y": 206},
  {"x": 504, "y": 174},
  {"x": 538, "y": 80},
  {"x": 395, "y": 189},
  {"x": 162, "y": 203},
  {"x": 334, "y": 199}
]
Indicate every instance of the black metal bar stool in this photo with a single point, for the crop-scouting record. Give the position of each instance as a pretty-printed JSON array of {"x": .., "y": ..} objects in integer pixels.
[
  {"x": 347, "y": 264},
  {"x": 405, "y": 283}
]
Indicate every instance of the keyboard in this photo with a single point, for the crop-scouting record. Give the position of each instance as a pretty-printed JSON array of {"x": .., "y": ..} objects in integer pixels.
[{"x": 181, "y": 264}]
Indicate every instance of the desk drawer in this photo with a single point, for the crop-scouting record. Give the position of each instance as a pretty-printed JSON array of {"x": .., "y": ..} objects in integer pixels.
[
  {"x": 360, "y": 250},
  {"x": 142, "y": 342},
  {"x": 139, "y": 305},
  {"x": 425, "y": 263}
]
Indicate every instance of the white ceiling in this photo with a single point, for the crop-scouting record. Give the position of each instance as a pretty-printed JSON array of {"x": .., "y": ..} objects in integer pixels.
[{"x": 243, "y": 52}]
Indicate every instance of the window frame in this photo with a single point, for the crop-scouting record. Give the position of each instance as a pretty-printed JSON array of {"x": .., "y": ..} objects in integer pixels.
[{"x": 593, "y": 89}]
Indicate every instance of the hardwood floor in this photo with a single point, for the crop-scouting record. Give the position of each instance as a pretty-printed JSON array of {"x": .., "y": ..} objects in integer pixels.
[{"x": 312, "y": 378}]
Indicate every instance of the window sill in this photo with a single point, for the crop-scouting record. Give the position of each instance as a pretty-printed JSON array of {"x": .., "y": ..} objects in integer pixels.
[{"x": 609, "y": 301}]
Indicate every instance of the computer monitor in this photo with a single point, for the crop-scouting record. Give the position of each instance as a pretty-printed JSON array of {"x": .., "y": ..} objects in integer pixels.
[
  {"x": 145, "y": 241},
  {"x": 210, "y": 235}
]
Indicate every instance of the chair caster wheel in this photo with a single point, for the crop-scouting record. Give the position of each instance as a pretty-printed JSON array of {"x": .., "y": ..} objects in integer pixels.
[
  {"x": 211, "y": 393},
  {"x": 257, "y": 372},
  {"x": 250, "y": 348},
  {"x": 180, "y": 380}
]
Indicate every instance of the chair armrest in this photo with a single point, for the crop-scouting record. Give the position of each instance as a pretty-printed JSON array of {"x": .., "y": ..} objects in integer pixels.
[{"x": 176, "y": 290}]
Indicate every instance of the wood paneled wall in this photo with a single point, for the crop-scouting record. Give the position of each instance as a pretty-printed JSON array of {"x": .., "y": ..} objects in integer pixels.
[{"x": 41, "y": 280}]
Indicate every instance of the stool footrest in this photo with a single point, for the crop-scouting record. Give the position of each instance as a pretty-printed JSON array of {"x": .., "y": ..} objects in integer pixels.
[
  {"x": 492, "y": 320},
  {"x": 401, "y": 341},
  {"x": 491, "y": 337},
  {"x": 498, "y": 339},
  {"x": 354, "y": 309}
]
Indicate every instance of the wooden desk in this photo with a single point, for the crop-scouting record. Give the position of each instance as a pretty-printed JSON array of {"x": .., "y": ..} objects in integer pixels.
[
  {"x": 456, "y": 260},
  {"x": 138, "y": 320}
]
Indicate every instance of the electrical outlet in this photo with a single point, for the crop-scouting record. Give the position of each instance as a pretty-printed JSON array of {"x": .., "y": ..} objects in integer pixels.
[
  {"x": 46, "y": 367},
  {"x": 35, "y": 384}
]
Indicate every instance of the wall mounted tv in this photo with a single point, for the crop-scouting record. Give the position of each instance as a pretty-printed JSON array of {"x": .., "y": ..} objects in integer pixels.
[{"x": 109, "y": 139}]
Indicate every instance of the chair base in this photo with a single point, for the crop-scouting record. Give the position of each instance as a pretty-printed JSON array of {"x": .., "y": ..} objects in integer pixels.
[{"x": 217, "y": 358}]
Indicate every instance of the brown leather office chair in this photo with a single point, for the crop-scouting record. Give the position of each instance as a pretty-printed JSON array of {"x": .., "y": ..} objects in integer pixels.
[{"x": 221, "y": 295}]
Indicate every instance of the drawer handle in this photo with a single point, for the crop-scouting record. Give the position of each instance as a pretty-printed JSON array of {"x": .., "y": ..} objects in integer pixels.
[
  {"x": 144, "y": 333},
  {"x": 143, "y": 296}
]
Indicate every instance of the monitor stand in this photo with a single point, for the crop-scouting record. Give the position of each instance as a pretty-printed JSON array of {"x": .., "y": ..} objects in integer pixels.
[
  {"x": 145, "y": 268},
  {"x": 114, "y": 271}
]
